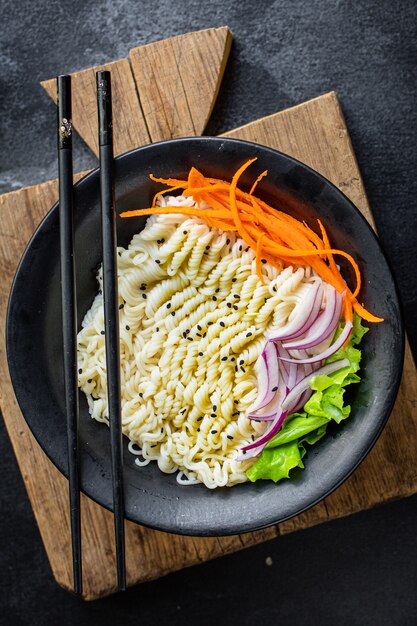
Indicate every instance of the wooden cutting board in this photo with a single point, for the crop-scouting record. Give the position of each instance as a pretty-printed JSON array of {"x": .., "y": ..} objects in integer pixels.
[{"x": 167, "y": 89}]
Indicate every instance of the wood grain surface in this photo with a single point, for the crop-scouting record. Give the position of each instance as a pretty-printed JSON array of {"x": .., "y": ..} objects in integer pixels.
[
  {"x": 314, "y": 132},
  {"x": 180, "y": 78}
]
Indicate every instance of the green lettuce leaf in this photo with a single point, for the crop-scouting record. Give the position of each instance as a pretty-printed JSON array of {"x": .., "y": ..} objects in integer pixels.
[
  {"x": 286, "y": 450},
  {"x": 276, "y": 464}
]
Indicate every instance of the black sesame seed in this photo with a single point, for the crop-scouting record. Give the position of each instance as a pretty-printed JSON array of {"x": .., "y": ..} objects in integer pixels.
[
  {"x": 229, "y": 304},
  {"x": 153, "y": 445},
  {"x": 240, "y": 248},
  {"x": 214, "y": 407},
  {"x": 263, "y": 261},
  {"x": 169, "y": 305},
  {"x": 127, "y": 327},
  {"x": 214, "y": 298},
  {"x": 158, "y": 241},
  {"x": 119, "y": 253},
  {"x": 90, "y": 380},
  {"x": 274, "y": 288},
  {"x": 199, "y": 327},
  {"x": 235, "y": 413},
  {"x": 80, "y": 371},
  {"x": 247, "y": 249},
  {"x": 173, "y": 313},
  {"x": 236, "y": 401},
  {"x": 224, "y": 358},
  {"x": 235, "y": 307},
  {"x": 102, "y": 332},
  {"x": 200, "y": 418},
  {"x": 157, "y": 329},
  {"x": 162, "y": 240},
  {"x": 213, "y": 432},
  {"x": 222, "y": 324},
  {"x": 243, "y": 369},
  {"x": 243, "y": 451},
  {"x": 140, "y": 395},
  {"x": 229, "y": 437},
  {"x": 198, "y": 430},
  {"x": 144, "y": 296},
  {"x": 235, "y": 295},
  {"x": 200, "y": 354},
  {"x": 241, "y": 362},
  {"x": 274, "y": 389},
  {"x": 204, "y": 334},
  {"x": 184, "y": 334},
  {"x": 184, "y": 232},
  {"x": 121, "y": 306},
  {"x": 252, "y": 437},
  {"x": 249, "y": 335},
  {"x": 217, "y": 290},
  {"x": 210, "y": 323},
  {"x": 207, "y": 247},
  {"x": 190, "y": 339},
  {"x": 142, "y": 287},
  {"x": 198, "y": 335},
  {"x": 234, "y": 280},
  {"x": 227, "y": 242},
  {"x": 233, "y": 358},
  {"x": 157, "y": 261},
  {"x": 183, "y": 411},
  {"x": 213, "y": 415}
]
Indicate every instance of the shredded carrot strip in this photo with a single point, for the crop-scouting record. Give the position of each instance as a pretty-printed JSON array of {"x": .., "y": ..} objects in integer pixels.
[
  {"x": 172, "y": 182},
  {"x": 260, "y": 177},
  {"x": 277, "y": 237}
]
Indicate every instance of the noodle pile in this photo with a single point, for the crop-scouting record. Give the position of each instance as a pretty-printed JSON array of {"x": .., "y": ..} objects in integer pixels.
[{"x": 193, "y": 320}]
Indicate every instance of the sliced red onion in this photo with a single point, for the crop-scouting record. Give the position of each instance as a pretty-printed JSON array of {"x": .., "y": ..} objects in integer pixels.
[
  {"x": 304, "y": 384},
  {"x": 284, "y": 368},
  {"x": 309, "y": 367},
  {"x": 261, "y": 417},
  {"x": 292, "y": 374},
  {"x": 254, "y": 448},
  {"x": 331, "y": 350},
  {"x": 320, "y": 347},
  {"x": 324, "y": 325},
  {"x": 270, "y": 410},
  {"x": 268, "y": 376},
  {"x": 298, "y": 404},
  {"x": 307, "y": 314},
  {"x": 301, "y": 369}
]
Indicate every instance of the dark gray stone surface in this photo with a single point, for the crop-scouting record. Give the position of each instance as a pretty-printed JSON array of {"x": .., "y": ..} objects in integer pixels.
[{"x": 361, "y": 570}]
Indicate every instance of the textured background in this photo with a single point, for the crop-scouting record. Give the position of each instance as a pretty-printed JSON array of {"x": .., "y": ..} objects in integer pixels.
[{"x": 361, "y": 570}]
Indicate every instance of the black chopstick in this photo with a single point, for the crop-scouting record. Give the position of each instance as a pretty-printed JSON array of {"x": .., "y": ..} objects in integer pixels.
[
  {"x": 69, "y": 316},
  {"x": 111, "y": 311}
]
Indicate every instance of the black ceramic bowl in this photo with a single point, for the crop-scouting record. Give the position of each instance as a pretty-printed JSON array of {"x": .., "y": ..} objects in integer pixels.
[{"x": 35, "y": 353}]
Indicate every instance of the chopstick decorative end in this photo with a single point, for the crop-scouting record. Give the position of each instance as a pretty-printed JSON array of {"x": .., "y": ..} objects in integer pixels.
[
  {"x": 105, "y": 121},
  {"x": 63, "y": 84}
]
